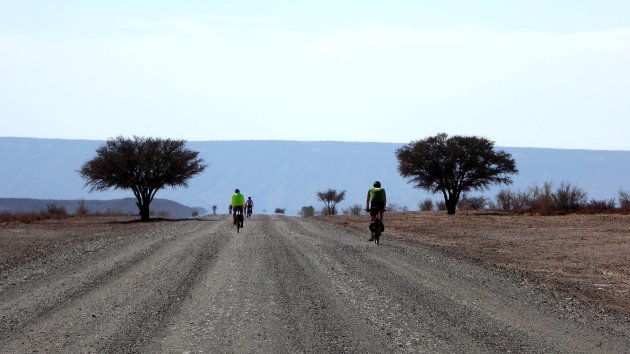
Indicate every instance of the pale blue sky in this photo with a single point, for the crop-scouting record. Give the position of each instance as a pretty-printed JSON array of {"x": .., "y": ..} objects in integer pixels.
[{"x": 523, "y": 73}]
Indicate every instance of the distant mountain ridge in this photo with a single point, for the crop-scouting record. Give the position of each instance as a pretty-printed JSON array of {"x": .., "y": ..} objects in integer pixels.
[
  {"x": 287, "y": 174},
  {"x": 161, "y": 207}
]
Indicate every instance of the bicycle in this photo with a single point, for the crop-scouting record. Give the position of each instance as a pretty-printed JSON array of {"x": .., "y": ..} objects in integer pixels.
[
  {"x": 376, "y": 226},
  {"x": 239, "y": 222},
  {"x": 249, "y": 212},
  {"x": 238, "y": 218}
]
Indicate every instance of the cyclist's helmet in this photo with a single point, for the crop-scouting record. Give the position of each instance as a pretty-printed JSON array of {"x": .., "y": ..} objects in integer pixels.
[
  {"x": 237, "y": 190},
  {"x": 377, "y": 184}
]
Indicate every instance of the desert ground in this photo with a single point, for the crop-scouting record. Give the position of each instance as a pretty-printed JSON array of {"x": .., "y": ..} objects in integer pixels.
[
  {"x": 436, "y": 283},
  {"x": 587, "y": 256}
]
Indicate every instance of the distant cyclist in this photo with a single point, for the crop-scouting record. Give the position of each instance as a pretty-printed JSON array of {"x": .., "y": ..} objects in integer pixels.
[
  {"x": 238, "y": 202},
  {"x": 249, "y": 203},
  {"x": 376, "y": 202}
]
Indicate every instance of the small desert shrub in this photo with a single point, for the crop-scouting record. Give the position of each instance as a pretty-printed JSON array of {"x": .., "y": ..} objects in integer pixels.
[
  {"x": 441, "y": 205},
  {"x": 518, "y": 202},
  {"x": 505, "y": 199},
  {"x": 56, "y": 210},
  {"x": 535, "y": 199},
  {"x": 522, "y": 202},
  {"x": 624, "y": 200},
  {"x": 393, "y": 208},
  {"x": 82, "y": 209},
  {"x": 568, "y": 198},
  {"x": 472, "y": 203},
  {"x": 307, "y": 211},
  {"x": 280, "y": 210},
  {"x": 353, "y": 210},
  {"x": 542, "y": 199},
  {"x": 598, "y": 206},
  {"x": 426, "y": 205}
]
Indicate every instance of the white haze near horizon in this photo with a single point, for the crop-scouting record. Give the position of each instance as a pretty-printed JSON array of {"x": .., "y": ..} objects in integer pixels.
[{"x": 522, "y": 74}]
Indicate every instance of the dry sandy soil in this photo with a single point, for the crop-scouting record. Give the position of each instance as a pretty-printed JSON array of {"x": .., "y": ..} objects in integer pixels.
[
  {"x": 21, "y": 243},
  {"x": 585, "y": 255}
]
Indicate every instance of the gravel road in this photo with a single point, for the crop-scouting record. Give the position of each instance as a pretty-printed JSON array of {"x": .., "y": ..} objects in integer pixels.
[{"x": 284, "y": 285}]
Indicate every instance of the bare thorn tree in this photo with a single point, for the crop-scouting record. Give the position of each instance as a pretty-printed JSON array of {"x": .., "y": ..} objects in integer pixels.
[
  {"x": 144, "y": 165},
  {"x": 331, "y": 198},
  {"x": 454, "y": 165}
]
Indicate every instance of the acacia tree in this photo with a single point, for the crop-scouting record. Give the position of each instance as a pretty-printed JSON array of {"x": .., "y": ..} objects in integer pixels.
[
  {"x": 454, "y": 165},
  {"x": 144, "y": 165},
  {"x": 331, "y": 198}
]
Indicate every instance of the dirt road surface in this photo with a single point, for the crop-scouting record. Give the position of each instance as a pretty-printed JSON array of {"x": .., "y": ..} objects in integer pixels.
[{"x": 281, "y": 285}]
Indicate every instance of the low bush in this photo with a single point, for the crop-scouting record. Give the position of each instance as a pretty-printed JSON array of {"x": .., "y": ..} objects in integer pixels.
[
  {"x": 522, "y": 202},
  {"x": 57, "y": 210},
  {"x": 280, "y": 210},
  {"x": 544, "y": 200},
  {"x": 426, "y": 205},
  {"x": 624, "y": 200},
  {"x": 541, "y": 199},
  {"x": 395, "y": 208},
  {"x": 472, "y": 203},
  {"x": 307, "y": 211},
  {"x": 82, "y": 209},
  {"x": 600, "y": 206},
  {"x": 568, "y": 198},
  {"x": 353, "y": 210},
  {"x": 505, "y": 199}
]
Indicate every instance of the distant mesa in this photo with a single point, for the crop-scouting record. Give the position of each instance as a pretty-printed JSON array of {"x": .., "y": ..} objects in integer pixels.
[
  {"x": 287, "y": 174},
  {"x": 126, "y": 206}
]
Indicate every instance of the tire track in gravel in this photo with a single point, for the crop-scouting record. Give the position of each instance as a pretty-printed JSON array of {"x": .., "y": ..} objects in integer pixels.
[
  {"x": 399, "y": 285},
  {"x": 185, "y": 268},
  {"x": 357, "y": 286},
  {"x": 128, "y": 301},
  {"x": 472, "y": 309},
  {"x": 262, "y": 296},
  {"x": 27, "y": 304}
]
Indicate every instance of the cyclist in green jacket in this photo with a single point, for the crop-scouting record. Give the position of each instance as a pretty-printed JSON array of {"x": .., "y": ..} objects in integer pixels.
[
  {"x": 375, "y": 204},
  {"x": 376, "y": 201},
  {"x": 238, "y": 202}
]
